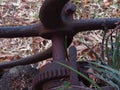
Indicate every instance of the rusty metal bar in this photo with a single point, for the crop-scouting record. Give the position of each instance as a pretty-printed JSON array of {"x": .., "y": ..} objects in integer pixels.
[
  {"x": 93, "y": 24},
  {"x": 20, "y": 31},
  {"x": 28, "y": 60},
  {"x": 74, "y": 26},
  {"x": 58, "y": 47},
  {"x": 74, "y": 77}
]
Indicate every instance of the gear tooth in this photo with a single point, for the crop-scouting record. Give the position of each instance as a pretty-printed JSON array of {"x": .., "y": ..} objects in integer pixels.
[
  {"x": 47, "y": 73},
  {"x": 66, "y": 71},
  {"x": 52, "y": 71},
  {"x": 62, "y": 72},
  {"x": 56, "y": 72},
  {"x": 40, "y": 77},
  {"x": 53, "y": 74},
  {"x": 59, "y": 73},
  {"x": 50, "y": 74},
  {"x": 44, "y": 75}
]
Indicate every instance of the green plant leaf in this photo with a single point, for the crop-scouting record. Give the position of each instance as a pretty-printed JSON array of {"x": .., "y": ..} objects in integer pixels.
[{"x": 82, "y": 75}]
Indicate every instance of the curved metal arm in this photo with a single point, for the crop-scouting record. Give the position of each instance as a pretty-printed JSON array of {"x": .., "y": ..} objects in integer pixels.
[
  {"x": 28, "y": 60},
  {"x": 93, "y": 24},
  {"x": 20, "y": 31}
]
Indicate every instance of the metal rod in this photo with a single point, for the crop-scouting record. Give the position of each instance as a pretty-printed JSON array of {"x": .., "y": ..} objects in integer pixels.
[
  {"x": 73, "y": 76},
  {"x": 20, "y": 31},
  {"x": 58, "y": 47},
  {"x": 28, "y": 60},
  {"x": 92, "y": 24}
]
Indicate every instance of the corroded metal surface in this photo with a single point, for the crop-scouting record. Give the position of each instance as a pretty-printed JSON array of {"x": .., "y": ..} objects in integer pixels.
[
  {"x": 56, "y": 23},
  {"x": 70, "y": 29}
]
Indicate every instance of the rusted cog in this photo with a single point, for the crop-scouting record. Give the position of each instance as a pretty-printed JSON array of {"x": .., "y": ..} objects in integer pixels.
[{"x": 49, "y": 72}]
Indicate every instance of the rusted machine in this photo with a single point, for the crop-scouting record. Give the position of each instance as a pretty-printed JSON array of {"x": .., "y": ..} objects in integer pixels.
[{"x": 57, "y": 24}]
